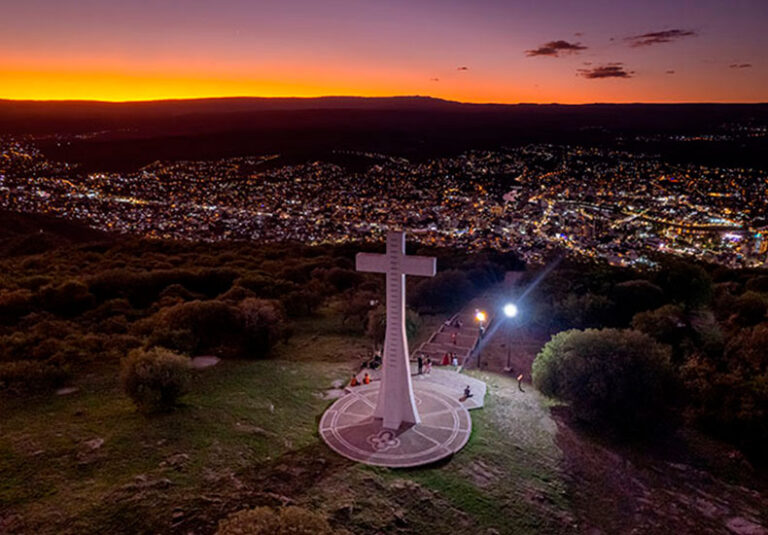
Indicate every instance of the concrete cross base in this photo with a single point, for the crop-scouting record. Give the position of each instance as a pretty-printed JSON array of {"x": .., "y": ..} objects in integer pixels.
[{"x": 349, "y": 428}]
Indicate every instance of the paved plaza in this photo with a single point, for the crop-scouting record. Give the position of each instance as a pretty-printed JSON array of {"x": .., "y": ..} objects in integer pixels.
[{"x": 350, "y": 429}]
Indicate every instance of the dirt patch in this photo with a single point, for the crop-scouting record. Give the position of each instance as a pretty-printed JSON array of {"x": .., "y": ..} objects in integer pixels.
[{"x": 616, "y": 489}]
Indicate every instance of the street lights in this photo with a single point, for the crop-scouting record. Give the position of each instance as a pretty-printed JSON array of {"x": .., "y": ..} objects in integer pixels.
[
  {"x": 510, "y": 311},
  {"x": 480, "y": 316}
]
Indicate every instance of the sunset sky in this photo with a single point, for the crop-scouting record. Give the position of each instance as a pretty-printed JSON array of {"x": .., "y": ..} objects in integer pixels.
[{"x": 508, "y": 51}]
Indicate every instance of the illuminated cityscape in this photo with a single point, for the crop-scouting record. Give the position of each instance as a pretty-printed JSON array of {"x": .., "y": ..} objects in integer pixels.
[{"x": 594, "y": 203}]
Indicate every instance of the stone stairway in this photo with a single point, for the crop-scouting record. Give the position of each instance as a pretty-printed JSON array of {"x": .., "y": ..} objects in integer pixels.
[{"x": 457, "y": 337}]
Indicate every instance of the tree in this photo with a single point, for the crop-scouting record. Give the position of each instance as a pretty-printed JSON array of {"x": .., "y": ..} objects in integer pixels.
[
  {"x": 636, "y": 296},
  {"x": 616, "y": 376},
  {"x": 588, "y": 310},
  {"x": 445, "y": 291},
  {"x": 729, "y": 393},
  {"x": 377, "y": 324},
  {"x": 263, "y": 324},
  {"x": 154, "y": 379},
  {"x": 667, "y": 324},
  {"x": 749, "y": 309},
  {"x": 686, "y": 284}
]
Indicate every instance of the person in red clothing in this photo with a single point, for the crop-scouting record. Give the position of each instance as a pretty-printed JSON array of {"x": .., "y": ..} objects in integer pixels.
[
  {"x": 366, "y": 379},
  {"x": 354, "y": 382},
  {"x": 446, "y": 360}
]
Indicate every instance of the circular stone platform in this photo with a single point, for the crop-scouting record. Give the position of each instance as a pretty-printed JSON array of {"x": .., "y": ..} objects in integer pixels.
[{"x": 349, "y": 428}]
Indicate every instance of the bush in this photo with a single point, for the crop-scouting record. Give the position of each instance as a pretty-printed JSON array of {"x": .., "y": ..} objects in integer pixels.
[
  {"x": 667, "y": 324},
  {"x": 749, "y": 309},
  {"x": 15, "y": 304},
  {"x": 267, "y": 521},
  {"x": 18, "y": 377},
  {"x": 445, "y": 291},
  {"x": 154, "y": 379},
  {"x": 376, "y": 326},
  {"x": 610, "y": 375},
  {"x": 198, "y": 327},
  {"x": 69, "y": 298},
  {"x": 636, "y": 296},
  {"x": 729, "y": 393},
  {"x": 581, "y": 311},
  {"x": 687, "y": 284},
  {"x": 263, "y": 324}
]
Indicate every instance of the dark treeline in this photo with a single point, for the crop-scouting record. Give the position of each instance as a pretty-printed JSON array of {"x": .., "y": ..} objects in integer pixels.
[
  {"x": 70, "y": 307},
  {"x": 685, "y": 341}
]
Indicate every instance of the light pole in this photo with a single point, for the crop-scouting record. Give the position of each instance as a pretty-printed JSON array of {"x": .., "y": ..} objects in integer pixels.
[
  {"x": 510, "y": 311},
  {"x": 480, "y": 316}
]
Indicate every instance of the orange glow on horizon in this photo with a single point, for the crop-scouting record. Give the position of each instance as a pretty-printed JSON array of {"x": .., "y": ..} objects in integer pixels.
[{"x": 113, "y": 86}]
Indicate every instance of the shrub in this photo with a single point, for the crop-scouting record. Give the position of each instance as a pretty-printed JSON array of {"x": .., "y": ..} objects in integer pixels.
[
  {"x": 687, "y": 284},
  {"x": 445, "y": 291},
  {"x": 267, "y": 521},
  {"x": 588, "y": 310},
  {"x": 154, "y": 379},
  {"x": 198, "y": 326},
  {"x": 377, "y": 324},
  {"x": 749, "y": 309},
  {"x": 263, "y": 324},
  {"x": 636, "y": 296},
  {"x": 15, "y": 304},
  {"x": 667, "y": 324},
  {"x": 729, "y": 394},
  {"x": 17, "y": 377},
  {"x": 69, "y": 298},
  {"x": 611, "y": 375},
  {"x": 758, "y": 283}
]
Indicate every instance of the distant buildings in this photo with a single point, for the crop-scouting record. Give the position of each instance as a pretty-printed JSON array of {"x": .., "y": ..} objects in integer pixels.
[{"x": 594, "y": 203}]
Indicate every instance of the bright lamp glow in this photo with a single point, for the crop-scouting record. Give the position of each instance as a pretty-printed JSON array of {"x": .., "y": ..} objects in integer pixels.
[
  {"x": 480, "y": 316},
  {"x": 510, "y": 310}
]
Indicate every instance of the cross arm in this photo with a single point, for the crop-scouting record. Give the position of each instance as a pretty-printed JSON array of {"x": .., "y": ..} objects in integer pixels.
[
  {"x": 370, "y": 262},
  {"x": 424, "y": 266}
]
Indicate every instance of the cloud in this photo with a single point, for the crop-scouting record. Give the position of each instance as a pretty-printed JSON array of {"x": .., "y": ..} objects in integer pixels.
[
  {"x": 740, "y": 66},
  {"x": 434, "y": 79},
  {"x": 656, "y": 38},
  {"x": 609, "y": 70},
  {"x": 555, "y": 48},
  {"x": 670, "y": 72},
  {"x": 462, "y": 68}
]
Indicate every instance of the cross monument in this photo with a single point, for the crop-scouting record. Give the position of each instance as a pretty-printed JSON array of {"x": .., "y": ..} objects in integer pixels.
[{"x": 396, "y": 404}]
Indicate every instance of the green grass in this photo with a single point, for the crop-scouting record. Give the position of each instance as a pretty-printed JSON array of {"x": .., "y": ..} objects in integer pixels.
[{"x": 250, "y": 427}]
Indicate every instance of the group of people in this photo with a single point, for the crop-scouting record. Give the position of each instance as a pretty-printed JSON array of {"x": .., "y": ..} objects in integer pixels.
[
  {"x": 450, "y": 359},
  {"x": 373, "y": 363},
  {"x": 366, "y": 380},
  {"x": 424, "y": 366}
]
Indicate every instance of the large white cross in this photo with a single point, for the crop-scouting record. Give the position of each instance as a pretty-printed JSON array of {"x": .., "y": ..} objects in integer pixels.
[{"x": 396, "y": 404}]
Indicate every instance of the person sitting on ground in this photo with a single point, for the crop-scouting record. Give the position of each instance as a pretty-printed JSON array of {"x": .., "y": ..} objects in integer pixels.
[
  {"x": 366, "y": 379},
  {"x": 468, "y": 392},
  {"x": 354, "y": 382}
]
